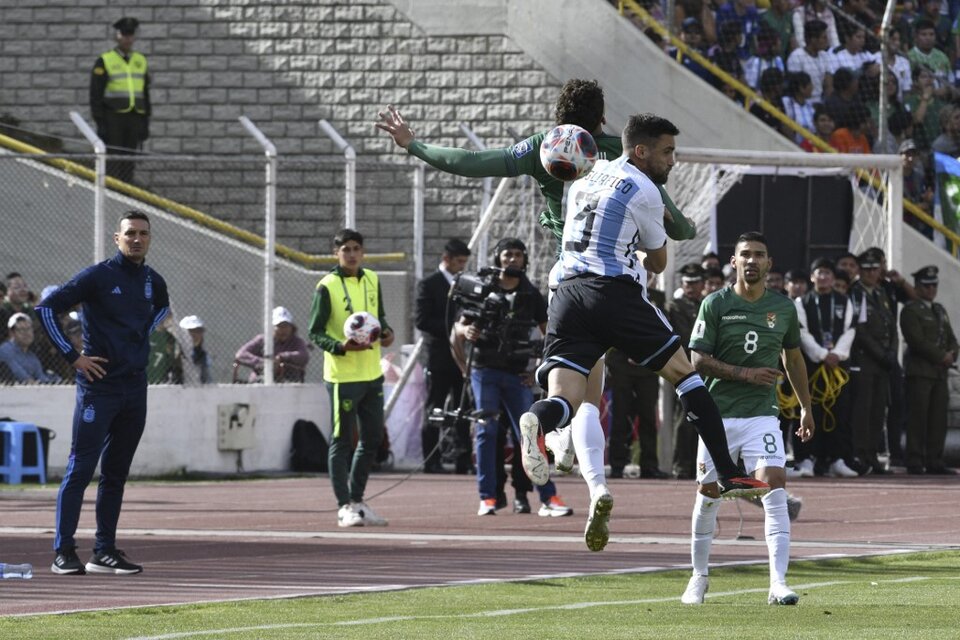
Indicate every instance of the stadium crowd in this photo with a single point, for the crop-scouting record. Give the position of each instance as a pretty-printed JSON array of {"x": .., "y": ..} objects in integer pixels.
[{"x": 819, "y": 63}]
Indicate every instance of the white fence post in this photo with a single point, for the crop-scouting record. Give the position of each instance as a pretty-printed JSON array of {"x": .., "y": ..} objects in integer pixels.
[
  {"x": 349, "y": 174},
  {"x": 270, "y": 239},
  {"x": 100, "y": 185}
]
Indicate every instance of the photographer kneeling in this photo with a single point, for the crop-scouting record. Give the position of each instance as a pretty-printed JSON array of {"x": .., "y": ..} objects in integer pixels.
[{"x": 498, "y": 321}]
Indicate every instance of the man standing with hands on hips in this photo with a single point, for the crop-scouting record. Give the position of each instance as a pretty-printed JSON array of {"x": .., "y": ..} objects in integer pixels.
[{"x": 123, "y": 301}]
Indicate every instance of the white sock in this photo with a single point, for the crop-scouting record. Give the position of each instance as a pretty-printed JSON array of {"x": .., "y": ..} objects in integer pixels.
[
  {"x": 776, "y": 526},
  {"x": 702, "y": 528},
  {"x": 589, "y": 443}
]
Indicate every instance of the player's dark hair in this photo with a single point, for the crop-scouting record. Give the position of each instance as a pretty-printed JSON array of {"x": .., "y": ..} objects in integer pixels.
[
  {"x": 646, "y": 128},
  {"x": 456, "y": 247},
  {"x": 814, "y": 29},
  {"x": 581, "y": 103},
  {"x": 751, "y": 236},
  {"x": 133, "y": 214},
  {"x": 344, "y": 236}
]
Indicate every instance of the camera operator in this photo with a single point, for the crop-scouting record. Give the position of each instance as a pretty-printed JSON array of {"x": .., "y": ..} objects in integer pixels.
[{"x": 499, "y": 329}]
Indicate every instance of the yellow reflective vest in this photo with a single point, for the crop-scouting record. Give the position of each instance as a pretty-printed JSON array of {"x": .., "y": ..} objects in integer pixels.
[
  {"x": 349, "y": 294},
  {"x": 126, "y": 82}
]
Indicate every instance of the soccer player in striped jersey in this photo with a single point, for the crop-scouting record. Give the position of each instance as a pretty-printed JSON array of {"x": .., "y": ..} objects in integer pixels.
[
  {"x": 580, "y": 102},
  {"x": 742, "y": 332},
  {"x": 613, "y": 235}
]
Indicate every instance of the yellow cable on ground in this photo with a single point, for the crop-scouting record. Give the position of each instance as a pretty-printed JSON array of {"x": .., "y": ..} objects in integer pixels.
[{"x": 788, "y": 403}]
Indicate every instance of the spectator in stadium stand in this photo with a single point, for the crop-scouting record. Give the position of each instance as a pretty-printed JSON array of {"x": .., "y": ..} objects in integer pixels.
[
  {"x": 813, "y": 60},
  {"x": 774, "y": 280},
  {"x": 779, "y": 17},
  {"x": 898, "y": 64},
  {"x": 701, "y": 11},
  {"x": 797, "y": 104},
  {"x": 798, "y": 281},
  {"x": 846, "y": 94},
  {"x": 852, "y": 54},
  {"x": 860, "y": 11},
  {"x": 815, "y": 10},
  {"x": 823, "y": 125},
  {"x": 713, "y": 280},
  {"x": 725, "y": 54},
  {"x": 767, "y": 57},
  {"x": 851, "y": 136},
  {"x": 745, "y": 13},
  {"x": 925, "y": 52},
  {"x": 826, "y": 336},
  {"x": 903, "y": 22},
  {"x": 931, "y": 352},
  {"x": 915, "y": 187},
  {"x": 198, "y": 363},
  {"x": 290, "y": 352},
  {"x": 771, "y": 90},
  {"x": 924, "y": 104},
  {"x": 21, "y": 299},
  {"x": 930, "y": 12},
  {"x": 17, "y": 354},
  {"x": 899, "y": 121},
  {"x": 848, "y": 262},
  {"x": 948, "y": 141},
  {"x": 841, "y": 282},
  {"x": 710, "y": 260},
  {"x": 873, "y": 356},
  {"x": 691, "y": 33}
]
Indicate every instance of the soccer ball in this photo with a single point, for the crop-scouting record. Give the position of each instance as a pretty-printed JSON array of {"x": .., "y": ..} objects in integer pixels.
[
  {"x": 568, "y": 152},
  {"x": 362, "y": 327}
]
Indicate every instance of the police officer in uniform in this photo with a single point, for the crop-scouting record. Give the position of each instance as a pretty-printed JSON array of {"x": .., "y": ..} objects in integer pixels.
[
  {"x": 931, "y": 351},
  {"x": 682, "y": 313},
  {"x": 874, "y": 355},
  {"x": 120, "y": 98}
]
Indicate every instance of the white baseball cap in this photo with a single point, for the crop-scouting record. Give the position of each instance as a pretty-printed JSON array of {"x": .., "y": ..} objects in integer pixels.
[
  {"x": 281, "y": 315},
  {"x": 191, "y": 322}
]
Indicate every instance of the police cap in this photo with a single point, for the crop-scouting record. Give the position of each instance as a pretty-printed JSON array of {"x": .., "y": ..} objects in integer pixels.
[
  {"x": 870, "y": 259},
  {"x": 822, "y": 263},
  {"x": 927, "y": 275},
  {"x": 692, "y": 272},
  {"x": 127, "y": 26}
]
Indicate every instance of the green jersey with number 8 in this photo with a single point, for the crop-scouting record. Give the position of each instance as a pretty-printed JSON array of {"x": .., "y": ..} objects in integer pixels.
[{"x": 746, "y": 334}]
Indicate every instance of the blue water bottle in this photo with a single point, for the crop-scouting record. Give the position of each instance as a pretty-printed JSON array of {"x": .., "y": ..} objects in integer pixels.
[{"x": 16, "y": 571}]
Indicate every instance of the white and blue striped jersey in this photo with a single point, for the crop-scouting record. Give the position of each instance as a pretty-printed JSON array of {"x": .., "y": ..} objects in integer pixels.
[{"x": 611, "y": 213}]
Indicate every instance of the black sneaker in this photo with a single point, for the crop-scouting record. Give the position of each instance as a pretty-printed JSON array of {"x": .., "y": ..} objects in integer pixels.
[
  {"x": 521, "y": 505},
  {"x": 67, "y": 563},
  {"x": 112, "y": 561}
]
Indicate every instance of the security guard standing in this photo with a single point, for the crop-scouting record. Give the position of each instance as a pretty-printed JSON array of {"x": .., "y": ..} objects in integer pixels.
[
  {"x": 874, "y": 355},
  {"x": 682, "y": 313},
  {"x": 931, "y": 351},
  {"x": 120, "y": 98}
]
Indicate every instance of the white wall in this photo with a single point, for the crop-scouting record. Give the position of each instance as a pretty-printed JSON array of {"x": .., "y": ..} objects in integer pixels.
[{"x": 181, "y": 431}]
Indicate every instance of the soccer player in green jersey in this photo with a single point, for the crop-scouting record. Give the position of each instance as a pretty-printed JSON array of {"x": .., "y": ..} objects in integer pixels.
[
  {"x": 580, "y": 102},
  {"x": 740, "y": 334}
]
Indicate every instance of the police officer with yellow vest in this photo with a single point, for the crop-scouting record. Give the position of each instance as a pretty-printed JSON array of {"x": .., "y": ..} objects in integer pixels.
[
  {"x": 352, "y": 375},
  {"x": 931, "y": 351},
  {"x": 120, "y": 98}
]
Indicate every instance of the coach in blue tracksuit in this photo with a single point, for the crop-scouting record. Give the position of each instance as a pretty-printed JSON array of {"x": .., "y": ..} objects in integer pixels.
[{"x": 123, "y": 301}]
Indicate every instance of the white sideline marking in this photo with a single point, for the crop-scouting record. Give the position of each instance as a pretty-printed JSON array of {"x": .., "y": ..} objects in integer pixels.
[
  {"x": 426, "y": 538},
  {"x": 496, "y": 612}
]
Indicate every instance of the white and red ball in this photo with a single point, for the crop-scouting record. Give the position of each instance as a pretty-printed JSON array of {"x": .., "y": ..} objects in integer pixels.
[
  {"x": 568, "y": 152},
  {"x": 362, "y": 327}
]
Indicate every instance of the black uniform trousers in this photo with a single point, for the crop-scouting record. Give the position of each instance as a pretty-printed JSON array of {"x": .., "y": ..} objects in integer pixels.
[
  {"x": 927, "y": 424},
  {"x": 123, "y": 132},
  {"x": 870, "y": 389},
  {"x": 634, "y": 392}
]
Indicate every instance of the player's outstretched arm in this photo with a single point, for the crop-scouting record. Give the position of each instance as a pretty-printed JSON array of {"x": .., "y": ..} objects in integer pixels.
[
  {"x": 490, "y": 163},
  {"x": 677, "y": 226}
]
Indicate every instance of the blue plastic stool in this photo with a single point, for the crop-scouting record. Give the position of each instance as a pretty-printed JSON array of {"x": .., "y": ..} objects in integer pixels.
[{"x": 12, "y": 468}]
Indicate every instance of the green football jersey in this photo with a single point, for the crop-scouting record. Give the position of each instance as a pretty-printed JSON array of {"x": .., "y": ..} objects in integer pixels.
[
  {"x": 523, "y": 159},
  {"x": 748, "y": 334}
]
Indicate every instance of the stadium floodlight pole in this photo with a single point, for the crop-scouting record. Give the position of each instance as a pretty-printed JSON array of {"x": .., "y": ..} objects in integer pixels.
[
  {"x": 479, "y": 237},
  {"x": 270, "y": 240},
  {"x": 349, "y": 174},
  {"x": 419, "y": 185},
  {"x": 884, "y": 72},
  {"x": 100, "y": 185}
]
